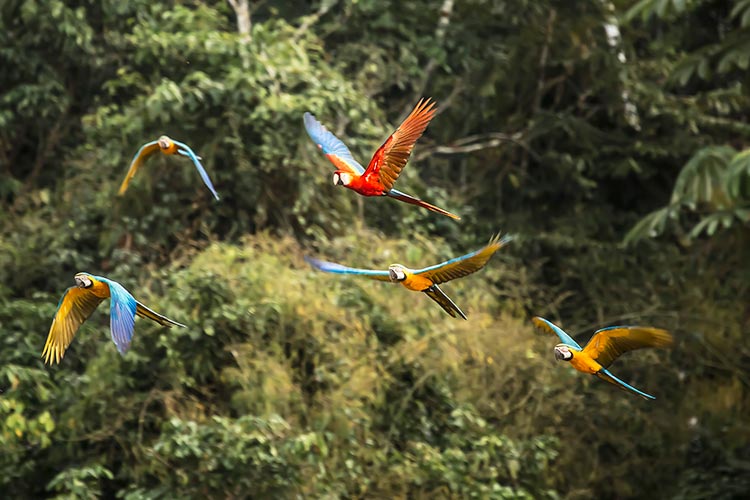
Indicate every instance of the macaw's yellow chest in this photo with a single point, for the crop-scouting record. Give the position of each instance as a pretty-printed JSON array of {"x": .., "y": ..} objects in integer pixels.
[
  {"x": 416, "y": 282},
  {"x": 172, "y": 149},
  {"x": 99, "y": 289},
  {"x": 583, "y": 363}
]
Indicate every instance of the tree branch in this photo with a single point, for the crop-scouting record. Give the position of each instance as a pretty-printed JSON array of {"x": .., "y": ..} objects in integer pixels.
[{"x": 242, "y": 11}]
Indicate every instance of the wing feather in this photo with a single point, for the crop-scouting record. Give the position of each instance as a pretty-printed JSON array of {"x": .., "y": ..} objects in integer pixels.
[
  {"x": 609, "y": 343},
  {"x": 121, "y": 315},
  {"x": 553, "y": 328},
  {"x": 185, "y": 150},
  {"x": 332, "y": 267},
  {"x": 144, "y": 152},
  {"x": 391, "y": 157},
  {"x": 75, "y": 306},
  {"x": 464, "y": 265},
  {"x": 333, "y": 147}
]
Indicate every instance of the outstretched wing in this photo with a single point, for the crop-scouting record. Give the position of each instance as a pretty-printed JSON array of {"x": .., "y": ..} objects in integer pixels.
[
  {"x": 548, "y": 326},
  {"x": 144, "y": 312},
  {"x": 146, "y": 150},
  {"x": 121, "y": 314},
  {"x": 605, "y": 374},
  {"x": 331, "y": 267},
  {"x": 436, "y": 294},
  {"x": 185, "y": 150},
  {"x": 75, "y": 306},
  {"x": 391, "y": 157},
  {"x": 609, "y": 343},
  {"x": 464, "y": 265},
  {"x": 333, "y": 147}
]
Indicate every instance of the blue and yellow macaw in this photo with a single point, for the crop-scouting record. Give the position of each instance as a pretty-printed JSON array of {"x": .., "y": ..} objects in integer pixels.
[
  {"x": 77, "y": 304},
  {"x": 427, "y": 279},
  {"x": 168, "y": 147},
  {"x": 605, "y": 346}
]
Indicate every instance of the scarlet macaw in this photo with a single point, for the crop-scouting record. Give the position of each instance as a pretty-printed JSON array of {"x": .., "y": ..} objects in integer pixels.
[
  {"x": 168, "y": 147},
  {"x": 605, "y": 346},
  {"x": 387, "y": 162},
  {"x": 77, "y": 304},
  {"x": 425, "y": 280}
]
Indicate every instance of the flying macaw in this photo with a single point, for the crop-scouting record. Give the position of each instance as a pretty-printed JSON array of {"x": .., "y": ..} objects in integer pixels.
[
  {"x": 77, "y": 304},
  {"x": 605, "y": 346},
  {"x": 425, "y": 280},
  {"x": 168, "y": 147},
  {"x": 387, "y": 162}
]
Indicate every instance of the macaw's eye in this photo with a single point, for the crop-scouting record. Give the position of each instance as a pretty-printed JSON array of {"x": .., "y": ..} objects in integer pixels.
[{"x": 83, "y": 282}]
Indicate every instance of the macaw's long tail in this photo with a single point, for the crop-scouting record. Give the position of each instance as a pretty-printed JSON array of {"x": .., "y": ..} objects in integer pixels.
[
  {"x": 436, "y": 294},
  {"x": 145, "y": 312},
  {"x": 607, "y": 375},
  {"x": 416, "y": 201}
]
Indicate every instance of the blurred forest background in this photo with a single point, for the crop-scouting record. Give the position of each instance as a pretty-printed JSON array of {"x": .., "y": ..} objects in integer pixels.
[{"x": 607, "y": 136}]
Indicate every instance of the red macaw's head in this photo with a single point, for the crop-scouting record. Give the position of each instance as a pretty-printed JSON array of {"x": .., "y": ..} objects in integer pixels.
[
  {"x": 83, "y": 280},
  {"x": 396, "y": 272},
  {"x": 342, "y": 178},
  {"x": 563, "y": 352}
]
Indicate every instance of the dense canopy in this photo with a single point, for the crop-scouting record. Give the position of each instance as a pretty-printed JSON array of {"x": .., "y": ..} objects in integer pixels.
[{"x": 609, "y": 137}]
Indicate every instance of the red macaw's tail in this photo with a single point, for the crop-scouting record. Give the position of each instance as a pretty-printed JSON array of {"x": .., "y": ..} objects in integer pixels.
[
  {"x": 416, "y": 201},
  {"x": 436, "y": 294}
]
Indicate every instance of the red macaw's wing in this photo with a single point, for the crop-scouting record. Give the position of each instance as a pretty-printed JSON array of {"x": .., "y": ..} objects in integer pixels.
[
  {"x": 464, "y": 265},
  {"x": 608, "y": 344},
  {"x": 75, "y": 306},
  {"x": 391, "y": 158},
  {"x": 333, "y": 147},
  {"x": 144, "y": 152}
]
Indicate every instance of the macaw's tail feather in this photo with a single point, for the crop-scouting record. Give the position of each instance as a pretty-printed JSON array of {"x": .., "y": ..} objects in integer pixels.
[
  {"x": 436, "y": 294},
  {"x": 605, "y": 374},
  {"x": 416, "y": 201},
  {"x": 145, "y": 312}
]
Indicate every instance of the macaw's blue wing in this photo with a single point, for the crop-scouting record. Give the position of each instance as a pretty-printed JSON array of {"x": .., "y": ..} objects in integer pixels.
[
  {"x": 333, "y": 147},
  {"x": 464, "y": 265},
  {"x": 144, "y": 152},
  {"x": 605, "y": 374},
  {"x": 331, "y": 267},
  {"x": 121, "y": 314},
  {"x": 75, "y": 306},
  {"x": 551, "y": 327},
  {"x": 186, "y": 151}
]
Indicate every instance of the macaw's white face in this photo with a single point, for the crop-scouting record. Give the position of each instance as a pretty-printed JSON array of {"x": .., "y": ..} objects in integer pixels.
[
  {"x": 562, "y": 353},
  {"x": 165, "y": 142},
  {"x": 396, "y": 273},
  {"x": 83, "y": 280},
  {"x": 342, "y": 178}
]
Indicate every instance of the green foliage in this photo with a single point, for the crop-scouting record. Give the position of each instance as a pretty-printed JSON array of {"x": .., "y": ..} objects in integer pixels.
[{"x": 293, "y": 383}]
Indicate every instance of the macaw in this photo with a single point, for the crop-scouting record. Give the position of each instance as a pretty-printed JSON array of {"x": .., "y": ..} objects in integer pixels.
[
  {"x": 387, "y": 162},
  {"x": 604, "y": 347},
  {"x": 168, "y": 147},
  {"x": 427, "y": 279},
  {"x": 77, "y": 304}
]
